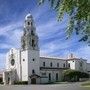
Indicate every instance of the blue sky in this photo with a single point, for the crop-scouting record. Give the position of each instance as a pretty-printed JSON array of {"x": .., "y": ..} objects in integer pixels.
[{"x": 51, "y": 33}]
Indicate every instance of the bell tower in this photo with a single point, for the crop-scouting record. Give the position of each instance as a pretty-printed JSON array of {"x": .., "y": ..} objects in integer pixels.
[
  {"x": 29, "y": 51},
  {"x": 29, "y": 40}
]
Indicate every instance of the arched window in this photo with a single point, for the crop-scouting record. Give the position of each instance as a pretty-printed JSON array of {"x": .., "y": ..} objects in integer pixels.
[
  {"x": 31, "y": 23},
  {"x": 69, "y": 65},
  {"x": 32, "y": 33},
  {"x": 49, "y": 76},
  {"x": 64, "y": 65},
  {"x": 56, "y": 76},
  {"x": 44, "y": 64},
  {"x": 12, "y": 62},
  {"x": 32, "y": 43},
  {"x": 33, "y": 71},
  {"x": 28, "y": 23},
  {"x": 33, "y": 59},
  {"x": 51, "y": 64},
  {"x": 80, "y": 64},
  {"x": 57, "y": 64}
]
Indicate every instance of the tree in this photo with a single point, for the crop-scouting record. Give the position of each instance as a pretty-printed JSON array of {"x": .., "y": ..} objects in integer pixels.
[
  {"x": 79, "y": 16},
  {"x": 73, "y": 75}
]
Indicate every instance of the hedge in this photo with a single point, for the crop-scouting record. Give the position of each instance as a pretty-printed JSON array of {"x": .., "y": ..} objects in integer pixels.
[{"x": 21, "y": 83}]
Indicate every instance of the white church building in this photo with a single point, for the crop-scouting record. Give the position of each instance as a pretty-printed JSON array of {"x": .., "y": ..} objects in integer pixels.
[{"x": 25, "y": 64}]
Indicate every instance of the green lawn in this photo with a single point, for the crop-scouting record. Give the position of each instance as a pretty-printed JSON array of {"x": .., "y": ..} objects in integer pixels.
[
  {"x": 86, "y": 84},
  {"x": 86, "y": 87}
]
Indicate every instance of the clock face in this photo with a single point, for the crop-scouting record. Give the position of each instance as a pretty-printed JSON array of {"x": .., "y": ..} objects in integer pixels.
[{"x": 12, "y": 62}]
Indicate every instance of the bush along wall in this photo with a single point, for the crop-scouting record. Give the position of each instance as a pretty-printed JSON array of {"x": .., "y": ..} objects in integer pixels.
[
  {"x": 1, "y": 80},
  {"x": 21, "y": 83}
]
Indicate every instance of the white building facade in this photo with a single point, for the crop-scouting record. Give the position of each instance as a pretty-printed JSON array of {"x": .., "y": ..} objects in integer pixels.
[{"x": 25, "y": 64}]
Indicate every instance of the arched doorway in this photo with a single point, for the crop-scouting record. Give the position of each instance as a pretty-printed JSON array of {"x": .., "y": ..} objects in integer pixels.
[
  {"x": 8, "y": 80},
  {"x": 33, "y": 81}
]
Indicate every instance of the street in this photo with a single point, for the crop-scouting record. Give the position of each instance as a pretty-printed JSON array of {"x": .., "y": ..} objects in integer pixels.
[{"x": 71, "y": 86}]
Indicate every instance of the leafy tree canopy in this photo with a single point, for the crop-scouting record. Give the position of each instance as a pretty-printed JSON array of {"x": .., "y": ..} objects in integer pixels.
[
  {"x": 79, "y": 16},
  {"x": 73, "y": 75}
]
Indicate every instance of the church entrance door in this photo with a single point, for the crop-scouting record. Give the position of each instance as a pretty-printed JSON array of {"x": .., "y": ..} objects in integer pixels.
[
  {"x": 33, "y": 81},
  {"x": 8, "y": 80}
]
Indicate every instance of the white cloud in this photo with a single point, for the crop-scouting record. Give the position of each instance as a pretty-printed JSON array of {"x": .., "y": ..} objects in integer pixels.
[
  {"x": 56, "y": 45},
  {"x": 2, "y": 60},
  {"x": 5, "y": 46},
  {"x": 12, "y": 32},
  {"x": 46, "y": 30},
  {"x": 11, "y": 26}
]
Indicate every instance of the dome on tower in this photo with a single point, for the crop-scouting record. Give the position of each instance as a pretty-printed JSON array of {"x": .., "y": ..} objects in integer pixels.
[{"x": 28, "y": 16}]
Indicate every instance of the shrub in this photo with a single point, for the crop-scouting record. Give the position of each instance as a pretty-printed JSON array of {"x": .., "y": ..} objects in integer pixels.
[
  {"x": 86, "y": 84},
  {"x": 73, "y": 75},
  {"x": 1, "y": 80},
  {"x": 21, "y": 82}
]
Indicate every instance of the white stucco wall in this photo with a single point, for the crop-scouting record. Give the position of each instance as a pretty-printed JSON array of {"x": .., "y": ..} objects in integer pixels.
[
  {"x": 24, "y": 64},
  {"x": 45, "y": 78},
  {"x": 33, "y": 65},
  {"x": 83, "y": 67},
  {"x": 28, "y": 65},
  {"x": 78, "y": 64},
  {"x": 53, "y": 69},
  {"x": 16, "y": 66},
  {"x": 72, "y": 64},
  {"x": 88, "y": 68},
  {"x": 53, "y": 60},
  {"x": 8, "y": 58}
]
